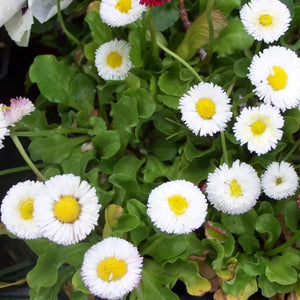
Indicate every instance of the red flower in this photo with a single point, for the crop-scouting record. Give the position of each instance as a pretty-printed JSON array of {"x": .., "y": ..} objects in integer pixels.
[{"x": 151, "y": 3}]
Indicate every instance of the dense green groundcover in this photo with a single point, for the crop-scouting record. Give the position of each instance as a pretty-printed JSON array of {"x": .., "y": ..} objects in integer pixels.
[{"x": 126, "y": 137}]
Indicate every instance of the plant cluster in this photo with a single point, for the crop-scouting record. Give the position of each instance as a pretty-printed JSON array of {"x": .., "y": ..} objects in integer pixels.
[{"x": 165, "y": 141}]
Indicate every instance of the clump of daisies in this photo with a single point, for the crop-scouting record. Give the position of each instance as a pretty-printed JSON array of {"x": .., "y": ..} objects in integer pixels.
[
  {"x": 265, "y": 20},
  {"x": 177, "y": 207},
  {"x": 205, "y": 109},
  {"x": 274, "y": 72},
  {"x": 233, "y": 190},
  {"x": 17, "y": 209},
  {"x": 67, "y": 210},
  {"x": 118, "y": 13},
  {"x": 280, "y": 180},
  {"x": 112, "y": 268},
  {"x": 112, "y": 60},
  {"x": 259, "y": 127}
]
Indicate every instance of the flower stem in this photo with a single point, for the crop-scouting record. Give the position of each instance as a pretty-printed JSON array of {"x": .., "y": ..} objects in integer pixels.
[
  {"x": 64, "y": 28},
  {"x": 19, "y": 169},
  {"x": 291, "y": 151},
  {"x": 224, "y": 148},
  {"x": 182, "y": 61},
  {"x": 285, "y": 245},
  {"x": 26, "y": 158},
  {"x": 152, "y": 32},
  {"x": 51, "y": 132}
]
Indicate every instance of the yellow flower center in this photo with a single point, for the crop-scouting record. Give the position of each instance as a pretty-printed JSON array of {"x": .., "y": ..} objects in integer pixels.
[
  {"x": 278, "y": 80},
  {"x": 258, "y": 127},
  {"x": 266, "y": 20},
  {"x": 235, "y": 188},
  {"x": 123, "y": 6},
  {"x": 278, "y": 180},
  {"x": 4, "y": 107},
  {"x": 114, "y": 60},
  {"x": 26, "y": 209},
  {"x": 111, "y": 269},
  {"x": 67, "y": 209},
  {"x": 177, "y": 204},
  {"x": 206, "y": 108}
]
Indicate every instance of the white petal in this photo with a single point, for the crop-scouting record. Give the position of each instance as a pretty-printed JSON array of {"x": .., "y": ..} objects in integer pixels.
[
  {"x": 8, "y": 9},
  {"x": 46, "y": 9},
  {"x": 18, "y": 27}
]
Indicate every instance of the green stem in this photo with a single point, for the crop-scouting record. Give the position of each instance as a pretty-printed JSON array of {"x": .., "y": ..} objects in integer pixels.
[
  {"x": 19, "y": 169},
  {"x": 291, "y": 151},
  {"x": 64, "y": 28},
  {"x": 152, "y": 32},
  {"x": 285, "y": 245},
  {"x": 26, "y": 158},
  {"x": 258, "y": 46},
  {"x": 209, "y": 8},
  {"x": 245, "y": 98},
  {"x": 224, "y": 148},
  {"x": 182, "y": 61},
  {"x": 50, "y": 132}
]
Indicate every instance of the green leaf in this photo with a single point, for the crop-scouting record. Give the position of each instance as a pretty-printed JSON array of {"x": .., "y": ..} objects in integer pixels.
[
  {"x": 188, "y": 272},
  {"x": 224, "y": 6},
  {"x": 140, "y": 233},
  {"x": 36, "y": 121},
  {"x": 291, "y": 125},
  {"x": 125, "y": 187},
  {"x": 82, "y": 90},
  {"x": 164, "y": 149},
  {"x": 170, "y": 101},
  {"x": 238, "y": 224},
  {"x": 89, "y": 51},
  {"x": 135, "y": 39},
  {"x": 126, "y": 223},
  {"x": 240, "y": 67},
  {"x": 237, "y": 284},
  {"x": 107, "y": 143},
  {"x": 291, "y": 215},
  {"x": 165, "y": 16},
  {"x": 101, "y": 32},
  {"x": 169, "y": 248},
  {"x": 156, "y": 282},
  {"x": 55, "y": 148},
  {"x": 53, "y": 79},
  {"x": 198, "y": 34},
  {"x": 248, "y": 242},
  {"x": 128, "y": 165},
  {"x": 232, "y": 38},
  {"x": 78, "y": 283},
  {"x": 283, "y": 269},
  {"x": 77, "y": 162},
  {"x": 267, "y": 223},
  {"x": 170, "y": 83}
]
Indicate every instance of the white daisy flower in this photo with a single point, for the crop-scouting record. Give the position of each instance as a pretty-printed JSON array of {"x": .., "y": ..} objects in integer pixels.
[
  {"x": 17, "y": 209},
  {"x": 280, "y": 180},
  {"x": 112, "y": 60},
  {"x": 18, "y": 108},
  {"x": 120, "y": 12},
  {"x": 112, "y": 268},
  {"x": 67, "y": 210},
  {"x": 177, "y": 207},
  {"x": 3, "y": 126},
  {"x": 265, "y": 20},
  {"x": 205, "y": 109},
  {"x": 233, "y": 190},
  {"x": 274, "y": 72},
  {"x": 259, "y": 127}
]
